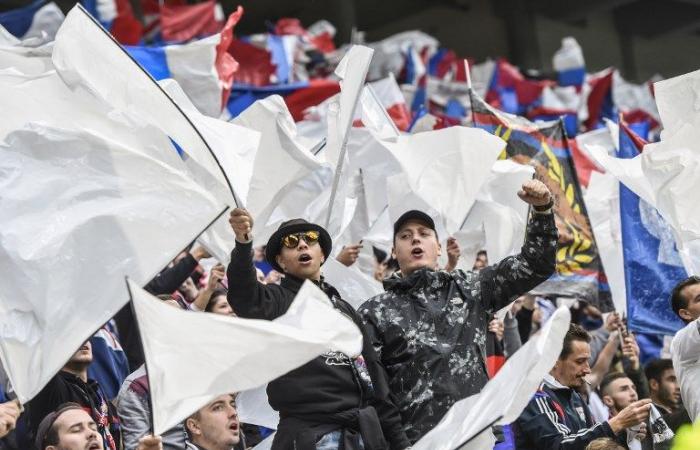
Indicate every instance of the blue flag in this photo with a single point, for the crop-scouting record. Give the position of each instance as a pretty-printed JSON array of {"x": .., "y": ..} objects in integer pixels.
[{"x": 652, "y": 263}]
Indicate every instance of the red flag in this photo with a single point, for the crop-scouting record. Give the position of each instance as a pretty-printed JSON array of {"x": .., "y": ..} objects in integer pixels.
[
  {"x": 256, "y": 65},
  {"x": 182, "y": 23},
  {"x": 225, "y": 64},
  {"x": 317, "y": 91}
]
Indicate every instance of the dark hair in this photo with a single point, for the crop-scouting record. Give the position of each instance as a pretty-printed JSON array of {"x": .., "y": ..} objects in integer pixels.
[
  {"x": 481, "y": 252},
  {"x": 575, "y": 333},
  {"x": 217, "y": 292},
  {"x": 47, "y": 433},
  {"x": 677, "y": 300},
  {"x": 655, "y": 368},
  {"x": 609, "y": 378}
]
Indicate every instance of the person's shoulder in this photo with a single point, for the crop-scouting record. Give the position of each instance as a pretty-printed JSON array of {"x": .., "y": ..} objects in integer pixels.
[{"x": 378, "y": 302}]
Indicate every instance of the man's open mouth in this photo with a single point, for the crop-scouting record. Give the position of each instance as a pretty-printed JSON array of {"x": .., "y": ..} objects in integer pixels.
[
  {"x": 417, "y": 252},
  {"x": 304, "y": 258}
]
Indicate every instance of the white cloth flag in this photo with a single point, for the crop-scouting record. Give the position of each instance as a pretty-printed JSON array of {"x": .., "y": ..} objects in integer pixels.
[
  {"x": 498, "y": 216},
  {"x": 282, "y": 160},
  {"x": 221, "y": 354},
  {"x": 235, "y": 148},
  {"x": 80, "y": 212},
  {"x": 14, "y": 55},
  {"x": 446, "y": 168},
  {"x": 354, "y": 286},
  {"x": 85, "y": 55},
  {"x": 505, "y": 395},
  {"x": 254, "y": 408}
]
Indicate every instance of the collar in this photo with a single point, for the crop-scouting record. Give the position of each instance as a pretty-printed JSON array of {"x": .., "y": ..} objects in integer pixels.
[
  {"x": 294, "y": 283},
  {"x": 417, "y": 279},
  {"x": 552, "y": 382}
]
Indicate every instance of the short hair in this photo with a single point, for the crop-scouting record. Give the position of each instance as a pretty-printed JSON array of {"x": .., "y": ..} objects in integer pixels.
[
  {"x": 217, "y": 292},
  {"x": 47, "y": 433},
  {"x": 604, "y": 444},
  {"x": 677, "y": 300},
  {"x": 481, "y": 252},
  {"x": 608, "y": 379},
  {"x": 655, "y": 368},
  {"x": 575, "y": 333}
]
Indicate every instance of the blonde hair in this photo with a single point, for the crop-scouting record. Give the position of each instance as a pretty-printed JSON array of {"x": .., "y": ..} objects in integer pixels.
[{"x": 604, "y": 444}]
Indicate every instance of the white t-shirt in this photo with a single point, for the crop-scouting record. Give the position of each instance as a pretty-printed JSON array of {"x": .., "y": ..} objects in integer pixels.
[{"x": 685, "y": 353}]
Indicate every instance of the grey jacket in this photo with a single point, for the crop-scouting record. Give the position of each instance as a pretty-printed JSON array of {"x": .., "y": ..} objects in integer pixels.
[{"x": 429, "y": 328}]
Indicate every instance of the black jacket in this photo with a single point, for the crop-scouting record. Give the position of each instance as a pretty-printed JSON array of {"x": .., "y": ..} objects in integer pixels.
[
  {"x": 327, "y": 385},
  {"x": 557, "y": 418},
  {"x": 65, "y": 387},
  {"x": 429, "y": 328}
]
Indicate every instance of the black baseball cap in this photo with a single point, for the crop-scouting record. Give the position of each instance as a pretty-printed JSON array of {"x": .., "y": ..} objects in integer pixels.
[{"x": 416, "y": 215}]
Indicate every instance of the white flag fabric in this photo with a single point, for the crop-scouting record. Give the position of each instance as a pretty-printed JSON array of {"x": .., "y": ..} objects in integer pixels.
[
  {"x": 504, "y": 396},
  {"x": 446, "y": 168},
  {"x": 282, "y": 160},
  {"x": 14, "y": 55},
  {"x": 235, "y": 148},
  {"x": 254, "y": 408},
  {"x": 85, "y": 55},
  {"x": 676, "y": 100},
  {"x": 221, "y": 354},
  {"x": 81, "y": 211},
  {"x": 354, "y": 286}
]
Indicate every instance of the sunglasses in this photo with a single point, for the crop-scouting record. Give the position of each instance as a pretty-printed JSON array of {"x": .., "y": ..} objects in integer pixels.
[{"x": 292, "y": 240}]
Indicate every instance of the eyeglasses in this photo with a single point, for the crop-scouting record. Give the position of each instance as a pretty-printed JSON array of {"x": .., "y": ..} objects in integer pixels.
[{"x": 292, "y": 240}]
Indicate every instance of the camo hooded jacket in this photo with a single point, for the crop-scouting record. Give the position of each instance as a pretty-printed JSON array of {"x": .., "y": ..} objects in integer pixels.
[{"x": 429, "y": 328}]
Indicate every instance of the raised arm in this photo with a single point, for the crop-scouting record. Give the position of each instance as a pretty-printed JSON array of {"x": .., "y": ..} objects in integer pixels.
[
  {"x": 247, "y": 296},
  {"x": 516, "y": 275}
]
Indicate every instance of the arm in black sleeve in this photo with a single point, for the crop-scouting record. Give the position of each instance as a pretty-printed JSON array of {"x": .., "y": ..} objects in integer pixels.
[
  {"x": 247, "y": 296},
  {"x": 170, "y": 279},
  {"x": 524, "y": 317},
  {"x": 516, "y": 275}
]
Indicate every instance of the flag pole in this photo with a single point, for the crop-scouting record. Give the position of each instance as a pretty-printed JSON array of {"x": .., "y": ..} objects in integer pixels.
[
  {"x": 467, "y": 74},
  {"x": 343, "y": 150}
]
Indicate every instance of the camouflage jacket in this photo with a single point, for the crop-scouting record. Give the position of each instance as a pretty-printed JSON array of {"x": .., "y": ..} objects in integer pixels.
[{"x": 429, "y": 328}]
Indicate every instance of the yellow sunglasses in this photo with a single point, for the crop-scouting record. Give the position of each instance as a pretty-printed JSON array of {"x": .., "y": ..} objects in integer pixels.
[{"x": 292, "y": 240}]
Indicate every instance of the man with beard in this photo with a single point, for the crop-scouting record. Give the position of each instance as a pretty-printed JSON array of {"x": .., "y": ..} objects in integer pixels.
[{"x": 665, "y": 392}]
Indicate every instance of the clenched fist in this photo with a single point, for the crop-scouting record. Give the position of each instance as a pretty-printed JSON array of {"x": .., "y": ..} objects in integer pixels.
[
  {"x": 242, "y": 224},
  {"x": 535, "y": 193}
]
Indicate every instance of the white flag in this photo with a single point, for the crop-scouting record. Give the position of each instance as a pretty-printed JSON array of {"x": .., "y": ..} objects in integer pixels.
[
  {"x": 504, "y": 397},
  {"x": 254, "y": 408},
  {"x": 354, "y": 286},
  {"x": 80, "y": 212},
  {"x": 446, "y": 168},
  {"x": 221, "y": 354}
]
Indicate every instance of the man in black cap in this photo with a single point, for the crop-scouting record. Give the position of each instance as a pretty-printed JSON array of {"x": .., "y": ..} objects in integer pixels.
[
  {"x": 333, "y": 400},
  {"x": 429, "y": 327}
]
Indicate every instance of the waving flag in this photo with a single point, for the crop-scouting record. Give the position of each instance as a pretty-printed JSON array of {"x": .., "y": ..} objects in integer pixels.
[
  {"x": 579, "y": 272},
  {"x": 33, "y": 20},
  {"x": 180, "y": 23},
  {"x": 118, "y": 18},
  {"x": 652, "y": 263},
  {"x": 203, "y": 68},
  {"x": 569, "y": 63}
]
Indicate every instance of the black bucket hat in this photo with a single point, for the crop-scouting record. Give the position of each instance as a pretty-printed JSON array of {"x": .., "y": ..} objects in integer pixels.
[{"x": 274, "y": 244}]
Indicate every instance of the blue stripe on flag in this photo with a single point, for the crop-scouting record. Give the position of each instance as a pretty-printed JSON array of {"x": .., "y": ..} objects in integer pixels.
[
  {"x": 153, "y": 59},
  {"x": 571, "y": 77},
  {"x": 278, "y": 57}
]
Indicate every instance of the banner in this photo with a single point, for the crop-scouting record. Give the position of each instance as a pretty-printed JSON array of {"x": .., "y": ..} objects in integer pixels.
[{"x": 579, "y": 271}]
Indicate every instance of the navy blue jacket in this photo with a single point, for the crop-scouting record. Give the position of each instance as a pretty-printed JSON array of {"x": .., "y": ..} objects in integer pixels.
[{"x": 557, "y": 418}]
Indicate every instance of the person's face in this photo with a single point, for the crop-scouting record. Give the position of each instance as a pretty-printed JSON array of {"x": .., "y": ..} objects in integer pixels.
[
  {"x": 221, "y": 306},
  {"x": 666, "y": 390},
  {"x": 481, "y": 261},
  {"x": 188, "y": 289},
  {"x": 692, "y": 296},
  {"x": 415, "y": 246},
  {"x": 620, "y": 394},
  {"x": 83, "y": 355},
  {"x": 571, "y": 370},
  {"x": 76, "y": 431},
  {"x": 217, "y": 426},
  {"x": 303, "y": 261}
]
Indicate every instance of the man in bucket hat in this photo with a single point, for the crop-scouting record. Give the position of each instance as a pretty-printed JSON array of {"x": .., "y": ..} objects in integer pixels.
[
  {"x": 429, "y": 327},
  {"x": 334, "y": 401}
]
